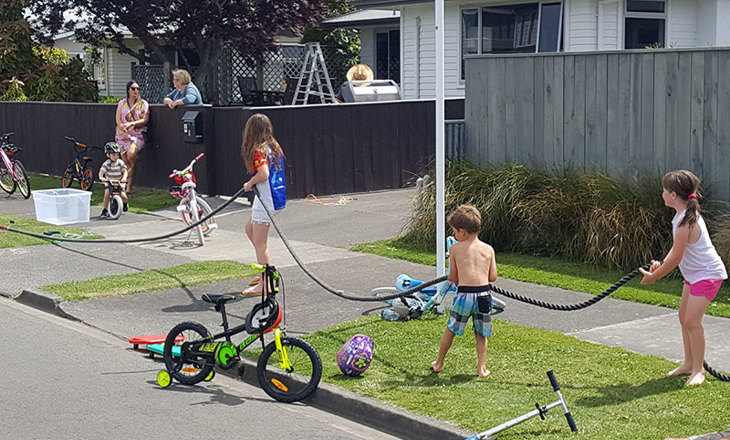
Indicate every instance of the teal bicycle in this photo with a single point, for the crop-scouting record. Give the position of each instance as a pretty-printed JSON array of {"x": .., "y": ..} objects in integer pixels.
[{"x": 288, "y": 369}]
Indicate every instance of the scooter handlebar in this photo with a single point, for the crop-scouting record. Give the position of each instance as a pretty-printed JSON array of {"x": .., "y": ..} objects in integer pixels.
[
  {"x": 197, "y": 158},
  {"x": 553, "y": 380},
  {"x": 571, "y": 422}
]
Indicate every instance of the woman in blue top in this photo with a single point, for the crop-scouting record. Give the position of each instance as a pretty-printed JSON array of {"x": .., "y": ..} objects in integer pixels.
[{"x": 184, "y": 93}]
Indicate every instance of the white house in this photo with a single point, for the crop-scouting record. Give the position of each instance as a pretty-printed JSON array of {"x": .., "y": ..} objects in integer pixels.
[
  {"x": 113, "y": 71},
  {"x": 504, "y": 26}
]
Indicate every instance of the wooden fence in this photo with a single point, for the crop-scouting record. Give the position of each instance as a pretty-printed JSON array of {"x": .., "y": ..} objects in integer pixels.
[
  {"x": 330, "y": 149},
  {"x": 628, "y": 112}
]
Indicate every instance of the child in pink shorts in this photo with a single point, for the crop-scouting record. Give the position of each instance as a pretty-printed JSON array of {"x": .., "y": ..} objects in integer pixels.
[{"x": 699, "y": 263}]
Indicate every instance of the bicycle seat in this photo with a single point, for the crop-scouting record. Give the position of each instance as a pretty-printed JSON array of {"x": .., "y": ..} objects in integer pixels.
[{"x": 217, "y": 299}]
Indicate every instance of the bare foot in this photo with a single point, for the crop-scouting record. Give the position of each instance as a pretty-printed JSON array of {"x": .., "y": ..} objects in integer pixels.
[
  {"x": 695, "y": 379},
  {"x": 483, "y": 372},
  {"x": 436, "y": 367},
  {"x": 680, "y": 371}
]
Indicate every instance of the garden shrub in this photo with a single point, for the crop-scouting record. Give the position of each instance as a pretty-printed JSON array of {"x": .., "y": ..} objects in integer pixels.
[{"x": 610, "y": 222}]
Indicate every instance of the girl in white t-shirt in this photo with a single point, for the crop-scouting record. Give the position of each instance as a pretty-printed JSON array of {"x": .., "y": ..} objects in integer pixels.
[{"x": 699, "y": 263}]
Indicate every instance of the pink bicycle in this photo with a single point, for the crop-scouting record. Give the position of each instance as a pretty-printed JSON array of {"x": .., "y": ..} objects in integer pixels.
[{"x": 12, "y": 172}]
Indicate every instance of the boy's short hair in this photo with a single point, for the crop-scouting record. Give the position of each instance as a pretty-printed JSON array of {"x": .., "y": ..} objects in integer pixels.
[{"x": 465, "y": 217}]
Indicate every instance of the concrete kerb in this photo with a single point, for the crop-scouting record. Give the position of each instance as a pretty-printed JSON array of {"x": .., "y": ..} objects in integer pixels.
[
  {"x": 366, "y": 410},
  {"x": 47, "y": 302},
  {"x": 331, "y": 398}
]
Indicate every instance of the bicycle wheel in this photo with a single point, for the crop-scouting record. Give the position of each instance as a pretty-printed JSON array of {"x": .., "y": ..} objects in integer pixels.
[
  {"x": 23, "y": 181},
  {"x": 7, "y": 183},
  {"x": 187, "y": 368},
  {"x": 203, "y": 211},
  {"x": 289, "y": 385},
  {"x": 115, "y": 206},
  {"x": 68, "y": 178},
  {"x": 190, "y": 217},
  {"x": 87, "y": 179}
]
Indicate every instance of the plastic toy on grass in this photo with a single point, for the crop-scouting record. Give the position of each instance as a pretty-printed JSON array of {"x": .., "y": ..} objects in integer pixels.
[
  {"x": 430, "y": 298},
  {"x": 355, "y": 355}
]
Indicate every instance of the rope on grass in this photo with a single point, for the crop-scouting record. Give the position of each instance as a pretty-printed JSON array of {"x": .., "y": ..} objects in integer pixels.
[
  {"x": 716, "y": 374},
  {"x": 52, "y": 237}
]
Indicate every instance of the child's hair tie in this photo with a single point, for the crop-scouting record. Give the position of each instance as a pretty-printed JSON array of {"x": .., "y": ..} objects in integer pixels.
[{"x": 692, "y": 196}]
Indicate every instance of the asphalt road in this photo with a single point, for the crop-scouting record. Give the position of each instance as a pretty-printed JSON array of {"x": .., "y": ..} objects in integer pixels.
[{"x": 65, "y": 380}]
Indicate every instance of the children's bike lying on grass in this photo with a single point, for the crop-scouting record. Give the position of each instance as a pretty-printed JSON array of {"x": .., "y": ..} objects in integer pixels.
[
  {"x": 78, "y": 170},
  {"x": 191, "y": 207},
  {"x": 12, "y": 172},
  {"x": 288, "y": 369}
]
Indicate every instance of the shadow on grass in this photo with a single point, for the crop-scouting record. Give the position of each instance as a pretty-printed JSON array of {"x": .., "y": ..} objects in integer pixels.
[{"x": 624, "y": 392}]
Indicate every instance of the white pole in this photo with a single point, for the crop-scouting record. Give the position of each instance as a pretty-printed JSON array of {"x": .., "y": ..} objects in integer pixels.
[{"x": 440, "y": 165}]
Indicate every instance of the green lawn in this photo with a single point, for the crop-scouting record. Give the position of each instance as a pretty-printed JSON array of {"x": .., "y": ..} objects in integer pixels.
[
  {"x": 149, "y": 280},
  {"x": 13, "y": 239},
  {"x": 144, "y": 199},
  {"x": 613, "y": 394},
  {"x": 561, "y": 273}
]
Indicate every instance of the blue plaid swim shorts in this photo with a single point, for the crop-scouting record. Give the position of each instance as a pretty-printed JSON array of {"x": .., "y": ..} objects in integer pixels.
[{"x": 465, "y": 306}]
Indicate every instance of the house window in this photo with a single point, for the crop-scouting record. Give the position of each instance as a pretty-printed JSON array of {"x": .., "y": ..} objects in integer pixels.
[
  {"x": 518, "y": 28},
  {"x": 645, "y": 24},
  {"x": 387, "y": 55}
]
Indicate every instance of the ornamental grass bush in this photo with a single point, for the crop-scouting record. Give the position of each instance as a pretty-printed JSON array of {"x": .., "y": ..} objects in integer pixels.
[{"x": 610, "y": 222}]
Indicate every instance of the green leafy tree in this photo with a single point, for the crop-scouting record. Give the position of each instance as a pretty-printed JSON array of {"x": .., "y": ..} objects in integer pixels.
[
  {"x": 14, "y": 91},
  {"x": 47, "y": 73},
  {"x": 203, "y": 27},
  {"x": 16, "y": 45}
]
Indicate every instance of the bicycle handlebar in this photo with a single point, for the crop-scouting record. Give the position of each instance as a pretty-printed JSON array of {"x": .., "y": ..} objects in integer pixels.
[
  {"x": 187, "y": 168},
  {"x": 7, "y": 135}
]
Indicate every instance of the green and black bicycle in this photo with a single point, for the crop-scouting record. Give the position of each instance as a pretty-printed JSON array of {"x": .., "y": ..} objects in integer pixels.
[{"x": 288, "y": 369}]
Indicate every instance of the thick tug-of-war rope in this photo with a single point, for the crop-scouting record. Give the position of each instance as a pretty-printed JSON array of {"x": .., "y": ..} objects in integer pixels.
[
  {"x": 570, "y": 307},
  {"x": 127, "y": 240},
  {"x": 508, "y": 294}
]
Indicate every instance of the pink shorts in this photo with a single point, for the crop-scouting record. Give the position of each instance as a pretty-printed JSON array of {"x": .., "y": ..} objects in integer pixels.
[{"x": 706, "y": 288}]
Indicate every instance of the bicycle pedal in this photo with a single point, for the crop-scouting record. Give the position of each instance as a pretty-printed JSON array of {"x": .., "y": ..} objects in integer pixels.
[
  {"x": 213, "y": 226},
  {"x": 181, "y": 208},
  {"x": 241, "y": 369}
]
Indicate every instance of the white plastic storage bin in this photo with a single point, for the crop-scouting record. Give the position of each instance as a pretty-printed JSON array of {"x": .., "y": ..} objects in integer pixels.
[{"x": 62, "y": 206}]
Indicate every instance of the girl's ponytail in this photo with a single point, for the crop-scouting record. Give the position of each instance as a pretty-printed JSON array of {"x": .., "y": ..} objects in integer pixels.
[{"x": 693, "y": 209}]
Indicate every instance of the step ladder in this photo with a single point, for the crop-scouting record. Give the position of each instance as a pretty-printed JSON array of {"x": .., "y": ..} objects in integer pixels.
[{"x": 314, "y": 80}]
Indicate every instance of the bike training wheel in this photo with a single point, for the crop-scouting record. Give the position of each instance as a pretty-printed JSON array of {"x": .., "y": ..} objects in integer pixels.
[
  {"x": 68, "y": 178},
  {"x": 294, "y": 385},
  {"x": 164, "y": 379},
  {"x": 187, "y": 368},
  {"x": 6, "y": 179},
  {"x": 87, "y": 179},
  {"x": 115, "y": 207},
  {"x": 23, "y": 181}
]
